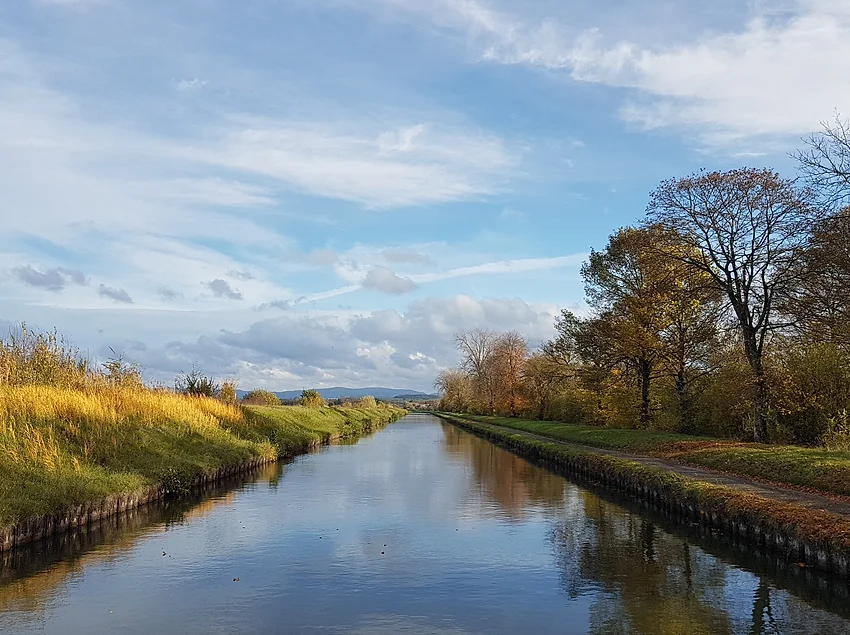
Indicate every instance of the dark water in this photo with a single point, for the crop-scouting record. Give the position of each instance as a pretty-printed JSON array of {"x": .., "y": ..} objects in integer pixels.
[{"x": 420, "y": 528}]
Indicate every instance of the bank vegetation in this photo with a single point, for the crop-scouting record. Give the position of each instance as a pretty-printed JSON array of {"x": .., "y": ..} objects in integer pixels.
[{"x": 72, "y": 432}]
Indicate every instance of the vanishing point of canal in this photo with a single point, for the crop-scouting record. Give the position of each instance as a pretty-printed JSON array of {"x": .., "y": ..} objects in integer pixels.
[{"x": 419, "y": 528}]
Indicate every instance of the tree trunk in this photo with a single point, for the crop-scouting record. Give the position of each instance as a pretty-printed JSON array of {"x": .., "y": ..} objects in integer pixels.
[
  {"x": 684, "y": 406},
  {"x": 645, "y": 375},
  {"x": 760, "y": 395},
  {"x": 760, "y": 408}
]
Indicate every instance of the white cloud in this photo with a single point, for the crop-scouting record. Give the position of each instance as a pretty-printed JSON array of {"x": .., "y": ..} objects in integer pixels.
[
  {"x": 188, "y": 85},
  {"x": 504, "y": 267},
  {"x": 382, "y": 169},
  {"x": 383, "y": 279},
  {"x": 297, "y": 349},
  {"x": 403, "y": 140},
  {"x": 207, "y": 191},
  {"x": 150, "y": 202},
  {"x": 777, "y": 74}
]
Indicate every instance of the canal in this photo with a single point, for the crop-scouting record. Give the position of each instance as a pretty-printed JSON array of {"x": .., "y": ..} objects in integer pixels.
[{"x": 419, "y": 528}]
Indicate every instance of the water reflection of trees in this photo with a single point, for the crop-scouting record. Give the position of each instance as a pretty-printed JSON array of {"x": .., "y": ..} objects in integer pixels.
[
  {"x": 650, "y": 582},
  {"x": 511, "y": 482}
]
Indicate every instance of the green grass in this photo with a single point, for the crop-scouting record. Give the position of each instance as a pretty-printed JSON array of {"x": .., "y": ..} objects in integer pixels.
[
  {"x": 61, "y": 447},
  {"x": 292, "y": 428},
  {"x": 640, "y": 441},
  {"x": 813, "y": 468}
]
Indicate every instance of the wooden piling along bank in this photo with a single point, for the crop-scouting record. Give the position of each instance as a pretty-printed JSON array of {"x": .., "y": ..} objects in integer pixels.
[{"x": 805, "y": 537}]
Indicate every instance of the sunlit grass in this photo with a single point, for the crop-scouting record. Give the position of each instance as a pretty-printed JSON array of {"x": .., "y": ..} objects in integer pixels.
[{"x": 62, "y": 446}]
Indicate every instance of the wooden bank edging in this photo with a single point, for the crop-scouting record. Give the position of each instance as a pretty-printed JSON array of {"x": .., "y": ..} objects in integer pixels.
[
  {"x": 84, "y": 515},
  {"x": 811, "y": 538}
]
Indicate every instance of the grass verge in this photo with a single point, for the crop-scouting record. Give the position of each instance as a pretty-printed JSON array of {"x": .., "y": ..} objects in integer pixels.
[
  {"x": 61, "y": 447},
  {"x": 824, "y": 538},
  {"x": 812, "y": 468}
]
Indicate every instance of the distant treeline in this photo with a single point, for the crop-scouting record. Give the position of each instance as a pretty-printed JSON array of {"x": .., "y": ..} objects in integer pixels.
[{"x": 726, "y": 311}]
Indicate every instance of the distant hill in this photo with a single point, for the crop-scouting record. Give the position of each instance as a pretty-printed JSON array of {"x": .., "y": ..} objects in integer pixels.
[
  {"x": 341, "y": 392},
  {"x": 417, "y": 396}
]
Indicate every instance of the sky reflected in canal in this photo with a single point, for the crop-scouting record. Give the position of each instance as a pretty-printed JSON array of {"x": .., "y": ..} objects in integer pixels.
[{"x": 420, "y": 528}]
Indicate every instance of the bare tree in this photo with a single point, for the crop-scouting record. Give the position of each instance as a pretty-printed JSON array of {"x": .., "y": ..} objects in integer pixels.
[
  {"x": 455, "y": 389},
  {"x": 825, "y": 162},
  {"x": 509, "y": 354},
  {"x": 476, "y": 349},
  {"x": 745, "y": 228}
]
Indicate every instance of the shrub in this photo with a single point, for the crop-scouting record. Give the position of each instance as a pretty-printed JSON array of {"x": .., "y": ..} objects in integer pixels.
[
  {"x": 261, "y": 398},
  {"x": 228, "y": 393},
  {"x": 367, "y": 402},
  {"x": 197, "y": 384},
  {"x": 29, "y": 357},
  {"x": 811, "y": 389},
  {"x": 120, "y": 372},
  {"x": 312, "y": 399},
  {"x": 837, "y": 435}
]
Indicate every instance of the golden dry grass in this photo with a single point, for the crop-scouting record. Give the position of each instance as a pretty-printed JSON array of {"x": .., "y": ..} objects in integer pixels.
[{"x": 61, "y": 446}]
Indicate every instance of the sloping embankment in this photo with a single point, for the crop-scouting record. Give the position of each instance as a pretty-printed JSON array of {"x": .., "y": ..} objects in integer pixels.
[
  {"x": 808, "y": 537},
  {"x": 78, "y": 501}
]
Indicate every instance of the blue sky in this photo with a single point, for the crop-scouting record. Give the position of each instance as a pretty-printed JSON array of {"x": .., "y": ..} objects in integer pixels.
[{"x": 320, "y": 192}]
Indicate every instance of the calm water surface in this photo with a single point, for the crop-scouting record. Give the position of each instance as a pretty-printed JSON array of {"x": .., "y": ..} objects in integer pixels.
[{"x": 420, "y": 528}]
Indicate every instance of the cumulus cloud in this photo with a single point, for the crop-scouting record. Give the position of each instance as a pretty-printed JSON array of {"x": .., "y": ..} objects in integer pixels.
[
  {"x": 295, "y": 349},
  {"x": 430, "y": 324},
  {"x": 221, "y": 289},
  {"x": 386, "y": 280},
  {"x": 167, "y": 294},
  {"x": 119, "y": 295},
  {"x": 50, "y": 279}
]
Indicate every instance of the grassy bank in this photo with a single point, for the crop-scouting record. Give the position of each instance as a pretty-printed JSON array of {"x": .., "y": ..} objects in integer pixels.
[
  {"x": 61, "y": 447},
  {"x": 824, "y": 537},
  {"x": 814, "y": 468}
]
